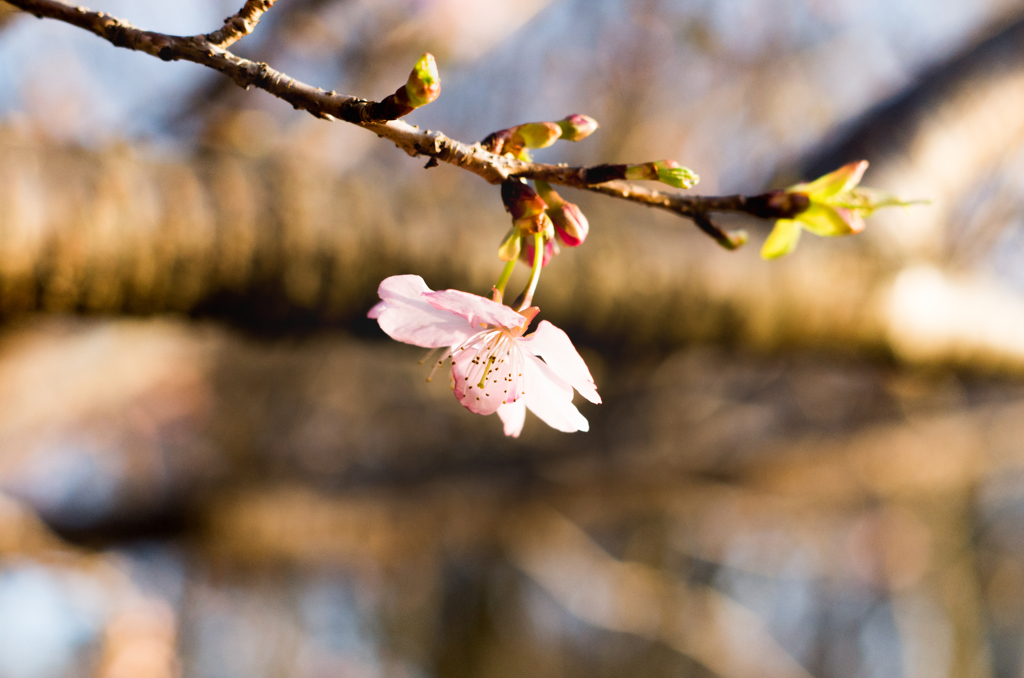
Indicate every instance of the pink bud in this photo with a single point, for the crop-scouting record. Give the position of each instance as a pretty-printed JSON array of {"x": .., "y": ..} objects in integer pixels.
[
  {"x": 570, "y": 224},
  {"x": 576, "y": 126},
  {"x": 526, "y": 256}
]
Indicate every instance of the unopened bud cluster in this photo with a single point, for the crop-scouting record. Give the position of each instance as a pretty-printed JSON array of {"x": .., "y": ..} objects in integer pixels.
[
  {"x": 539, "y": 211},
  {"x": 516, "y": 140},
  {"x": 545, "y": 213}
]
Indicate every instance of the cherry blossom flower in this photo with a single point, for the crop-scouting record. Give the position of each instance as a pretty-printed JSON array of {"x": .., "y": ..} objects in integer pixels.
[{"x": 495, "y": 368}]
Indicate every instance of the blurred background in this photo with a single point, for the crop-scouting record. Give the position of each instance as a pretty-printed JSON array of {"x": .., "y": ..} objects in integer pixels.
[{"x": 212, "y": 464}]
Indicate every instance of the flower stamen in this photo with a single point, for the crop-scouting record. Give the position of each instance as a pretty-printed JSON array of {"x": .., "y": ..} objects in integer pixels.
[{"x": 444, "y": 356}]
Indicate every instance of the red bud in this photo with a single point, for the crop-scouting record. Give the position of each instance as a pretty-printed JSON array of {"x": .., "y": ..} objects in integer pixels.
[
  {"x": 526, "y": 256},
  {"x": 570, "y": 224},
  {"x": 520, "y": 200}
]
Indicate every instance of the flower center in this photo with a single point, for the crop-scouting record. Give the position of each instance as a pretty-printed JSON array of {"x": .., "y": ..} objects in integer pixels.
[
  {"x": 492, "y": 365},
  {"x": 493, "y": 347}
]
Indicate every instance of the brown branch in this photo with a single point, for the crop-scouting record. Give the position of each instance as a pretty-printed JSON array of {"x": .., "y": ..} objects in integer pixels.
[
  {"x": 239, "y": 25},
  {"x": 208, "y": 50}
]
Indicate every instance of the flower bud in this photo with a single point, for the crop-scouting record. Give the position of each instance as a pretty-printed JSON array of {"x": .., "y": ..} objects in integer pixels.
[
  {"x": 570, "y": 224},
  {"x": 669, "y": 172},
  {"x": 526, "y": 256},
  {"x": 520, "y": 200},
  {"x": 575, "y": 127},
  {"x": 530, "y": 226},
  {"x": 537, "y": 134},
  {"x": 511, "y": 246},
  {"x": 424, "y": 83}
]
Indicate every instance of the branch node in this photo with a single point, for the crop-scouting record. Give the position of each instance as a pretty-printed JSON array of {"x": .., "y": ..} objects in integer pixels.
[{"x": 776, "y": 204}]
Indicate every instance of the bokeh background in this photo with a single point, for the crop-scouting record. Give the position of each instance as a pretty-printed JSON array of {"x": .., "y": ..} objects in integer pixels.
[{"x": 213, "y": 465}]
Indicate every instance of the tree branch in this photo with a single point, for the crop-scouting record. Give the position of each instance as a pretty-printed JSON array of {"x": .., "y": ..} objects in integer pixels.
[
  {"x": 239, "y": 25},
  {"x": 209, "y": 50}
]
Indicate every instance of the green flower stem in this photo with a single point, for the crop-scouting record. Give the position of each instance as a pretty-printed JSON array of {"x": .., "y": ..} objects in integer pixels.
[
  {"x": 548, "y": 194},
  {"x": 538, "y": 258},
  {"x": 505, "y": 275}
]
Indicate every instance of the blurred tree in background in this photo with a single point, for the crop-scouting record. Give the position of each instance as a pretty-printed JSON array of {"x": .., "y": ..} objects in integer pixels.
[{"x": 214, "y": 465}]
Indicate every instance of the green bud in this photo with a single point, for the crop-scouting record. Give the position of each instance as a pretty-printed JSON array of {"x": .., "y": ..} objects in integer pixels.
[
  {"x": 575, "y": 127},
  {"x": 509, "y": 250},
  {"x": 538, "y": 134},
  {"x": 669, "y": 172},
  {"x": 424, "y": 83}
]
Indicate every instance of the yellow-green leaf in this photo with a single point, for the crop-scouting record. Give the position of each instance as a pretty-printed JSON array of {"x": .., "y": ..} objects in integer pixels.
[
  {"x": 782, "y": 240},
  {"x": 843, "y": 179},
  {"x": 825, "y": 221}
]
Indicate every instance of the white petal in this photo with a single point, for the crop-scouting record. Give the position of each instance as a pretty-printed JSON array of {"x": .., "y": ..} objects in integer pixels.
[
  {"x": 406, "y": 316},
  {"x": 550, "y": 398},
  {"x": 556, "y": 348},
  {"x": 513, "y": 416}
]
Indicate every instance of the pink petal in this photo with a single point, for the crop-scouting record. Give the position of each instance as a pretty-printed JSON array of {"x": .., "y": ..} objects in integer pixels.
[
  {"x": 513, "y": 416},
  {"x": 406, "y": 316},
  {"x": 852, "y": 218},
  {"x": 487, "y": 371},
  {"x": 554, "y": 345},
  {"x": 402, "y": 287},
  {"x": 477, "y": 310},
  {"x": 550, "y": 398}
]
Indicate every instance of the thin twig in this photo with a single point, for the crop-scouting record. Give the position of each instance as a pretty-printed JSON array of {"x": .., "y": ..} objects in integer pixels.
[
  {"x": 730, "y": 240},
  {"x": 239, "y": 25},
  {"x": 209, "y": 50}
]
